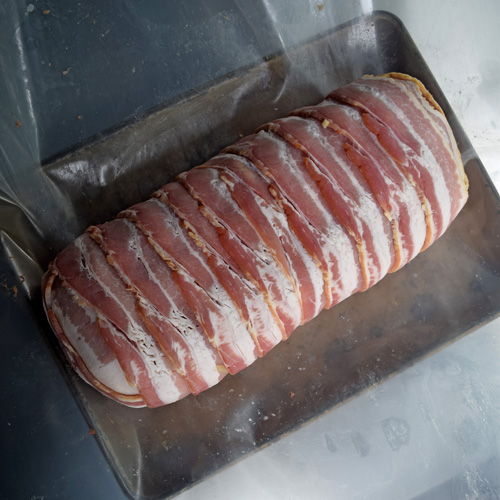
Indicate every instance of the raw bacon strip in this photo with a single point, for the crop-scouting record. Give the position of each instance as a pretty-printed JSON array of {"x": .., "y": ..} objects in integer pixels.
[
  {"x": 244, "y": 244},
  {"x": 413, "y": 139},
  {"x": 272, "y": 226},
  {"x": 84, "y": 268},
  {"x": 346, "y": 192},
  {"x": 205, "y": 295},
  {"x": 75, "y": 325},
  {"x": 139, "y": 371},
  {"x": 260, "y": 318},
  {"x": 419, "y": 177},
  {"x": 161, "y": 304},
  {"x": 307, "y": 213},
  {"x": 416, "y": 88},
  {"x": 438, "y": 138},
  {"x": 219, "y": 267},
  {"x": 85, "y": 339},
  {"x": 389, "y": 186},
  {"x": 426, "y": 181}
]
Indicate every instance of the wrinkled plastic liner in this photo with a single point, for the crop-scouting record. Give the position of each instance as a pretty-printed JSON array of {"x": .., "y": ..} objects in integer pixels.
[{"x": 447, "y": 291}]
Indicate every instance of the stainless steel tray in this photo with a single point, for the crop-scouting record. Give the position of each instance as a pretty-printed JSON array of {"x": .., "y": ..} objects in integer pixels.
[{"x": 446, "y": 292}]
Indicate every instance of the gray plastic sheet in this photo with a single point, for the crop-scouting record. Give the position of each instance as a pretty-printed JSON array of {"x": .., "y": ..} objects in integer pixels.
[{"x": 104, "y": 104}]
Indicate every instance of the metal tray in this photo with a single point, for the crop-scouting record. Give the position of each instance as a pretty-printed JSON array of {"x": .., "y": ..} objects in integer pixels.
[{"x": 449, "y": 290}]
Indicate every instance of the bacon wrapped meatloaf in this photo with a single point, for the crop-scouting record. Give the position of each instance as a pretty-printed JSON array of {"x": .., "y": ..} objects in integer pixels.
[{"x": 223, "y": 263}]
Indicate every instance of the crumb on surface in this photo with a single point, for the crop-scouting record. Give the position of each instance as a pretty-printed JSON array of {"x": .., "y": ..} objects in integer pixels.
[{"x": 12, "y": 289}]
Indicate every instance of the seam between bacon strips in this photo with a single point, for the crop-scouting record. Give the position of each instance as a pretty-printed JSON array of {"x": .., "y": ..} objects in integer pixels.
[
  {"x": 208, "y": 249},
  {"x": 76, "y": 361},
  {"x": 177, "y": 267},
  {"x": 94, "y": 232},
  {"x": 280, "y": 197},
  {"x": 219, "y": 224}
]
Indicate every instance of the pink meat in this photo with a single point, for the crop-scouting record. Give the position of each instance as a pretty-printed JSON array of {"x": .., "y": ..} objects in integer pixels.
[
  {"x": 85, "y": 269},
  {"x": 208, "y": 299},
  {"x": 255, "y": 311},
  {"x": 221, "y": 265},
  {"x": 270, "y": 222},
  {"x": 414, "y": 140},
  {"x": 397, "y": 197},
  {"x": 75, "y": 325},
  {"x": 161, "y": 303},
  {"x": 270, "y": 273},
  {"x": 436, "y": 114},
  {"x": 282, "y": 167},
  {"x": 346, "y": 193}
]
